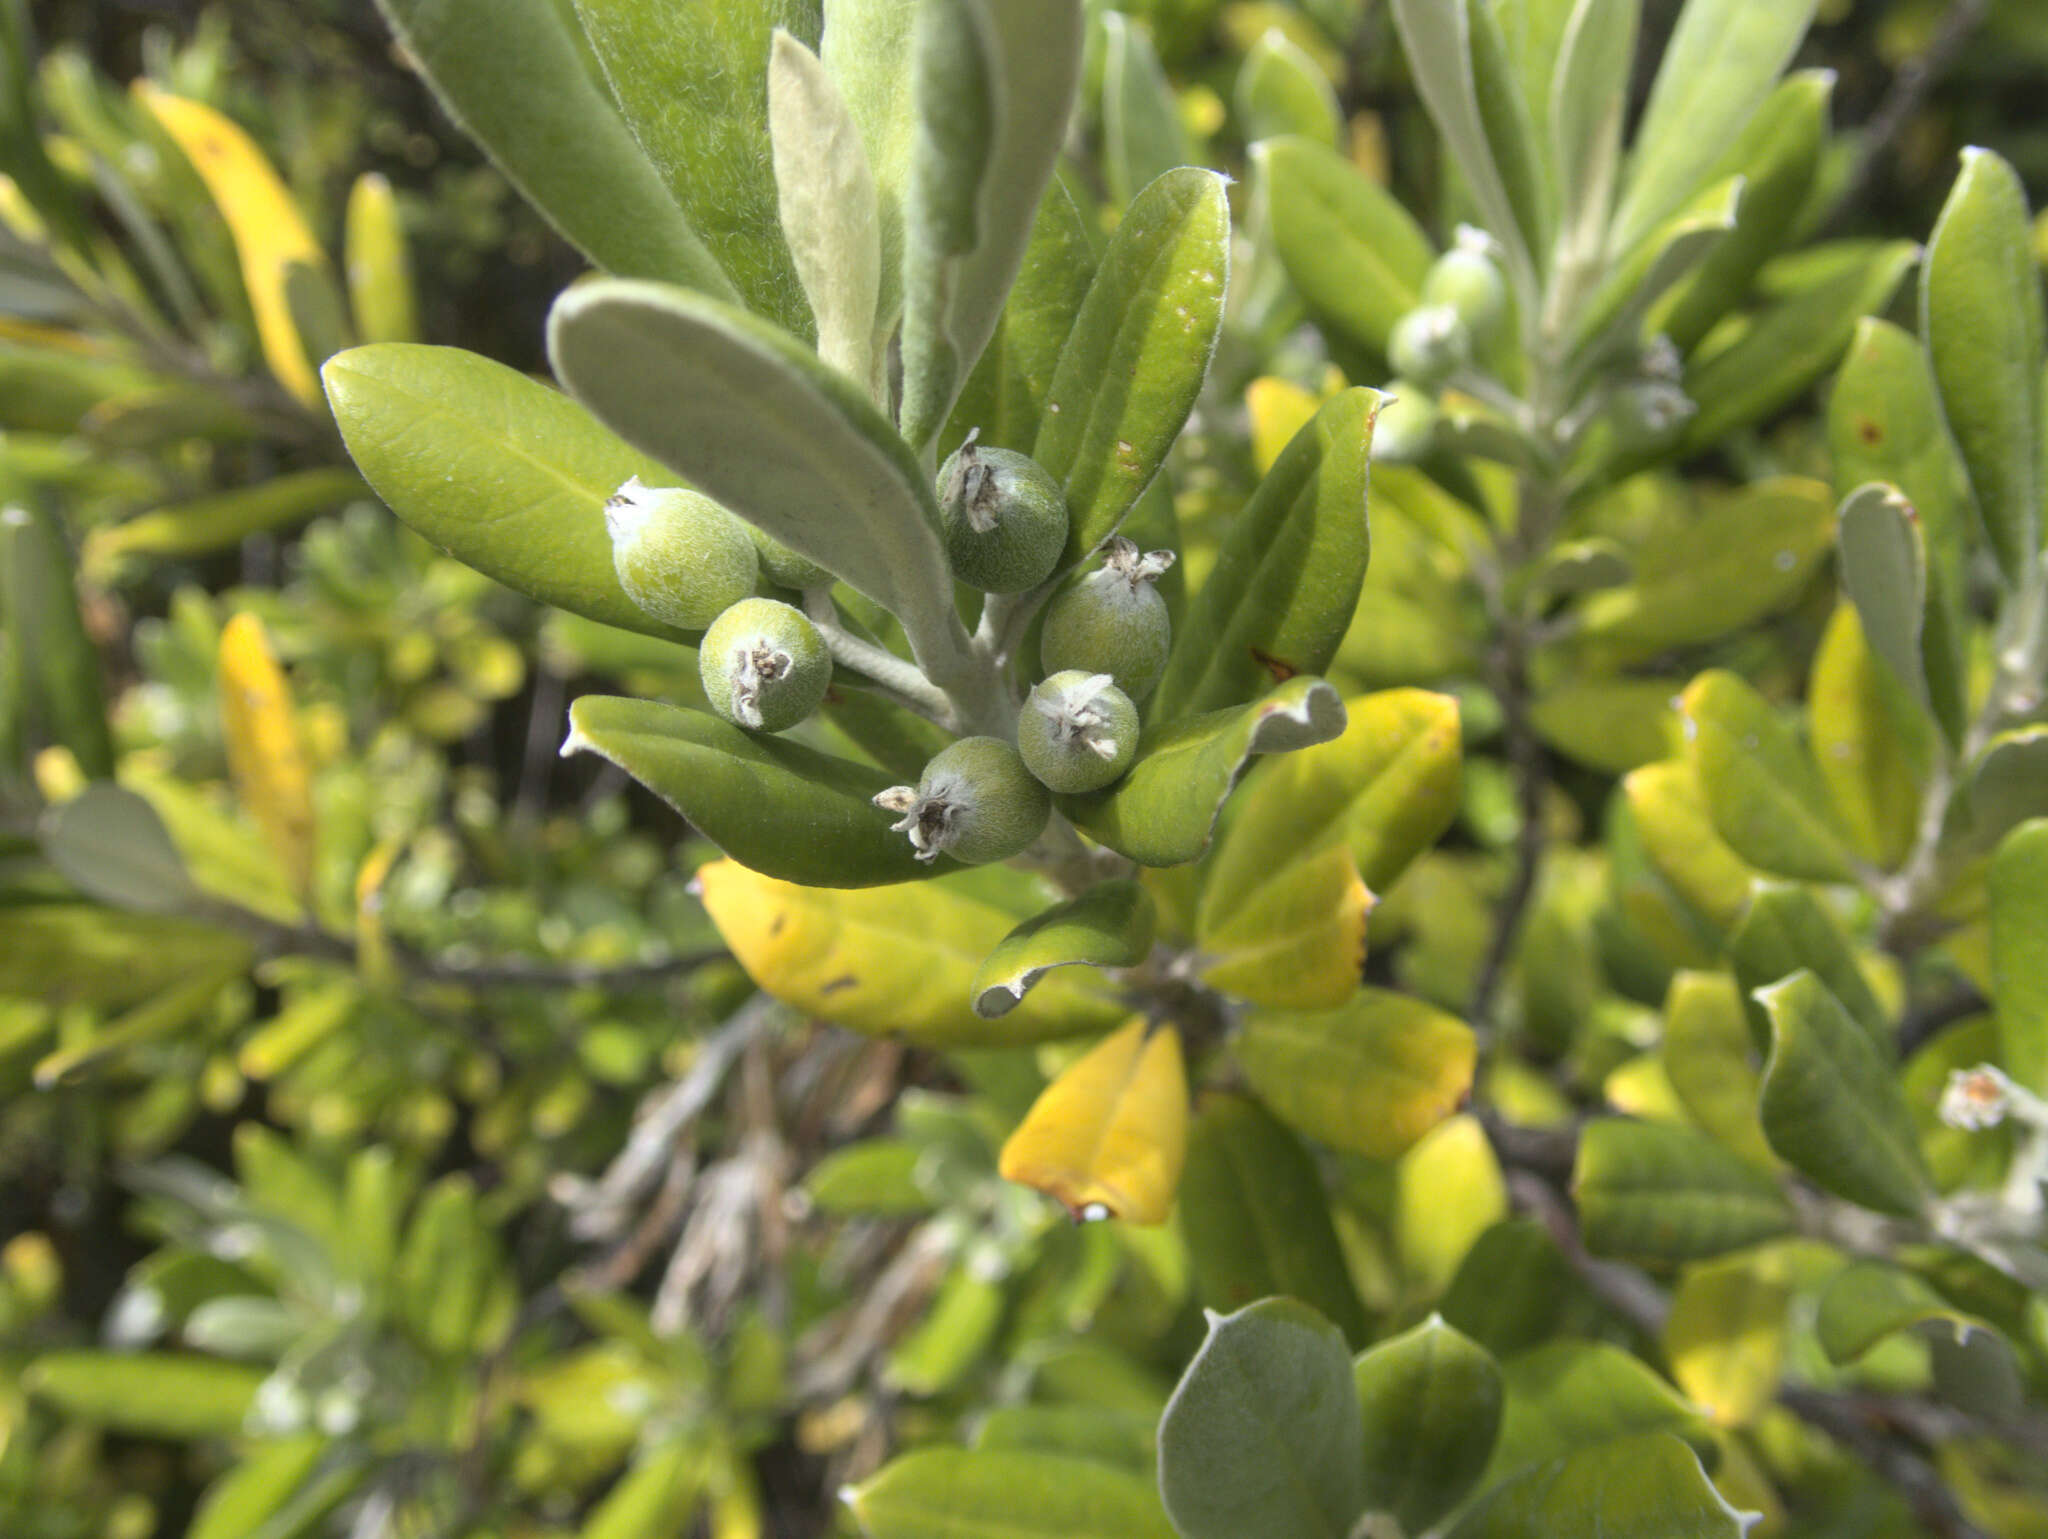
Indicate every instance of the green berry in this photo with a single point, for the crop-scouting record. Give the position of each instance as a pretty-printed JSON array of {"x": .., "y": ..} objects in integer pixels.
[
  {"x": 1429, "y": 344},
  {"x": 764, "y": 665},
  {"x": 1112, "y": 621},
  {"x": 1406, "y": 425},
  {"x": 784, "y": 567},
  {"x": 975, "y": 801},
  {"x": 1078, "y": 731},
  {"x": 680, "y": 556},
  {"x": 1466, "y": 279},
  {"x": 1005, "y": 518}
]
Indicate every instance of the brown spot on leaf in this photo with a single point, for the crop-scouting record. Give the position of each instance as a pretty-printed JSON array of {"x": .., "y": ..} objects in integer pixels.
[
  {"x": 1869, "y": 431},
  {"x": 1281, "y": 669},
  {"x": 843, "y": 981},
  {"x": 777, "y": 925}
]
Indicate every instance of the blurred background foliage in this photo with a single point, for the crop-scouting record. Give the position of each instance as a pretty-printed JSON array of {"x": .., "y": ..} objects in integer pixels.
[{"x": 525, "y": 1215}]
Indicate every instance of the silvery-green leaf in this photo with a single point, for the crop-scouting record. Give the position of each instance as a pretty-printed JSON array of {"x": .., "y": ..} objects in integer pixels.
[
  {"x": 1281, "y": 90},
  {"x": 1884, "y": 573},
  {"x": 751, "y": 416},
  {"x": 827, "y": 199},
  {"x": 995, "y": 84},
  {"x": 1142, "y": 136},
  {"x": 1588, "y": 100},
  {"x": 865, "y": 44}
]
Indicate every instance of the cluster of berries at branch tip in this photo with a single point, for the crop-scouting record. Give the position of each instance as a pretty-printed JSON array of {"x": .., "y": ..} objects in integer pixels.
[{"x": 1464, "y": 304}]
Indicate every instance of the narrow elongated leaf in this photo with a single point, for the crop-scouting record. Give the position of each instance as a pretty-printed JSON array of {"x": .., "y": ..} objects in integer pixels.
[
  {"x": 691, "y": 84},
  {"x": 172, "y": 1010},
  {"x": 517, "y": 77},
  {"x": 1281, "y": 90},
  {"x": 755, "y": 420},
  {"x": 377, "y": 265},
  {"x": 1262, "y": 1434},
  {"x": 957, "y": 1493},
  {"x": 1647, "y": 1487},
  {"x": 1164, "y": 809},
  {"x": 271, "y": 238},
  {"x": 1981, "y": 319},
  {"x": 2019, "y": 953},
  {"x": 1647, "y": 1192},
  {"x": 211, "y": 523},
  {"x": 864, "y": 48},
  {"x": 1287, "y": 578},
  {"x": 110, "y": 844},
  {"x": 826, "y": 198},
  {"x": 1355, "y": 254},
  {"x": 1107, "y": 1138},
  {"x": 1831, "y": 1105},
  {"x": 1370, "y": 1077},
  {"x": 148, "y": 1394},
  {"x": 1109, "y": 925},
  {"x": 1869, "y": 1301},
  {"x": 494, "y": 468},
  {"x": 1788, "y": 928},
  {"x": 894, "y": 962},
  {"x": 1134, "y": 362},
  {"x": 1256, "y": 1218},
  {"x": 995, "y": 83},
  {"x": 1776, "y": 157},
  {"x": 1866, "y": 748},
  {"x": 1614, "y": 315},
  {"x": 1005, "y": 395},
  {"x": 1430, "y": 1399},
  {"x": 1142, "y": 134},
  {"x": 1766, "y": 364},
  {"x": 58, "y": 693},
  {"x": 1587, "y": 99},
  {"x": 1296, "y": 943},
  {"x": 776, "y": 806},
  {"x": 266, "y": 756},
  {"x": 1765, "y": 796},
  {"x": 1511, "y": 138},
  {"x": 662, "y": 1481},
  {"x": 1884, "y": 574},
  {"x": 256, "y": 1488},
  {"x": 1721, "y": 62}
]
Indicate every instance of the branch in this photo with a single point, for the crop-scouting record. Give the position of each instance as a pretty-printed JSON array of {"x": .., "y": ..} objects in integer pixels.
[{"x": 1880, "y": 1442}]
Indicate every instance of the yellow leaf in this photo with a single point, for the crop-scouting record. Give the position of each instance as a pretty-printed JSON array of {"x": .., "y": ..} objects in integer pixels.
[
  {"x": 373, "y": 949},
  {"x": 1448, "y": 1190},
  {"x": 1679, "y": 838},
  {"x": 379, "y": 271},
  {"x": 1857, "y": 745},
  {"x": 1108, "y": 1137},
  {"x": 1279, "y": 410},
  {"x": 1726, "y": 1337},
  {"x": 270, "y": 233},
  {"x": 265, "y": 756},
  {"x": 1297, "y": 944},
  {"x": 891, "y": 961},
  {"x": 1641, "y": 1088}
]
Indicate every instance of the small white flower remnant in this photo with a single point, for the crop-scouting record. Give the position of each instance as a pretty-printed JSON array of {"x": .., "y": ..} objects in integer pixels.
[
  {"x": 1074, "y": 716},
  {"x": 1122, "y": 557},
  {"x": 756, "y": 662},
  {"x": 1976, "y": 1099},
  {"x": 928, "y": 817}
]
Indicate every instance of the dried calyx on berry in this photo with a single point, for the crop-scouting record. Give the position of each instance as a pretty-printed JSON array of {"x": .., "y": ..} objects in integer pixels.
[
  {"x": 1005, "y": 518},
  {"x": 975, "y": 801},
  {"x": 1078, "y": 731},
  {"x": 680, "y": 556},
  {"x": 764, "y": 665},
  {"x": 1429, "y": 345},
  {"x": 1112, "y": 620}
]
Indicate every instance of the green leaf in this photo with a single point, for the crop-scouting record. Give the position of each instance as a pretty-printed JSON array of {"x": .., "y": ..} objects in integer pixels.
[
  {"x": 1647, "y": 1192},
  {"x": 958, "y": 1325},
  {"x": 1437, "y": 37},
  {"x": 1355, "y": 254},
  {"x": 1281, "y": 90},
  {"x": 825, "y": 197},
  {"x": 1109, "y": 925},
  {"x": 1587, "y": 100},
  {"x": 1613, "y": 316},
  {"x": 1107, "y": 1434},
  {"x": 1776, "y": 156},
  {"x": 1722, "y": 60},
  {"x": 1766, "y": 798},
  {"x": 1371, "y": 1077},
  {"x": 1164, "y": 809},
  {"x": 256, "y": 1488},
  {"x": 1707, "y": 1055},
  {"x": 1134, "y": 362},
  {"x": 755, "y": 420},
  {"x": 1508, "y": 1320},
  {"x": 1142, "y": 136},
  {"x": 875, "y": 1177},
  {"x": 1262, "y": 1434},
  {"x": 494, "y": 468},
  {"x": 865, "y": 46},
  {"x": 146, "y": 1394},
  {"x": 1648, "y": 1487},
  {"x": 957, "y": 1493},
  {"x": 1005, "y": 395},
  {"x": 663, "y": 1482},
  {"x": 57, "y": 689},
  {"x": 1884, "y": 574},
  {"x": 1510, "y": 127},
  {"x": 176, "y": 1007},
  {"x": 1788, "y": 928},
  {"x": 111, "y": 845},
  {"x": 1868, "y": 742},
  {"x": 1869, "y": 1301},
  {"x": 995, "y": 82},
  {"x": 1295, "y": 943},
  {"x": 212, "y": 523},
  {"x": 1567, "y": 1396},
  {"x": 1726, "y": 1334},
  {"x": 1286, "y": 580},
  {"x": 691, "y": 84},
  {"x": 1981, "y": 319},
  {"x": 519, "y": 80},
  {"x": 1832, "y": 1106},
  {"x": 1430, "y": 1399},
  {"x": 2019, "y": 953},
  {"x": 773, "y": 805},
  {"x": 1747, "y": 555},
  {"x": 2006, "y": 785},
  {"x": 1256, "y": 1219},
  {"x": 1678, "y": 839},
  {"x": 1766, "y": 362}
]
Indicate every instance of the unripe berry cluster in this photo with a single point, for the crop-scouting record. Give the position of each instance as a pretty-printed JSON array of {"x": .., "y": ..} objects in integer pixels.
[{"x": 1464, "y": 302}]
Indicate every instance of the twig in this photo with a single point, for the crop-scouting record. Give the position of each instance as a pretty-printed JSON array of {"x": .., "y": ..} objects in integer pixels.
[
  {"x": 1525, "y": 756},
  {"x": 903, "y": 681},
  {"x": 1877, "y": 1441}
]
